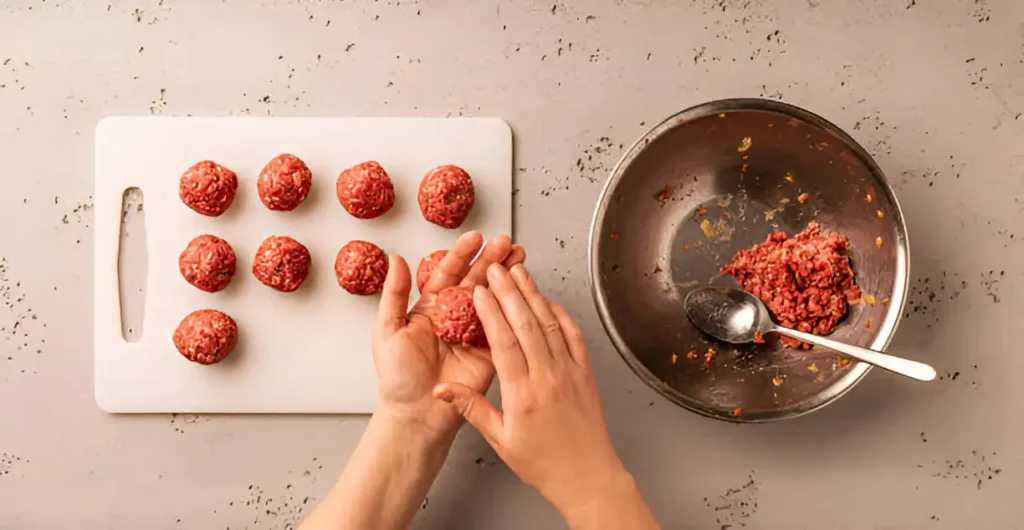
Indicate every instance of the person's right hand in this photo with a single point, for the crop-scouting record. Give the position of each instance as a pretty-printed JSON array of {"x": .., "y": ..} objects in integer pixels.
[{"x": 552, "y": 431}]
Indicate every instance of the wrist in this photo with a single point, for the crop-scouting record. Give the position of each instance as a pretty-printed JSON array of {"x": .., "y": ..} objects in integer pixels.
[
  {"x": 411, "y": 430},
  {"x": 616, "y": 489}
]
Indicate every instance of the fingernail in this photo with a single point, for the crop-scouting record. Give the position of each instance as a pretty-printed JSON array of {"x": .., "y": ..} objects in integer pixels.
[
  {"x": 494, "y": 270},
  {"x": 520, "y": 271},
  {"x": 478, "y": 292},
  {"x": 444, "y": 394}
]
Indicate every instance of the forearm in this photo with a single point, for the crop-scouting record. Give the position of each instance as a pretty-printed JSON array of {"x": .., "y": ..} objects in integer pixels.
[
  {"x": 621, "y": 505},
  {"x": 385, "y": 480}
]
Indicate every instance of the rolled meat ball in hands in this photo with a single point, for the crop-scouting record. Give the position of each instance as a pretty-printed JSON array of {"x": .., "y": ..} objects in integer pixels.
[
  {"x": 455, "y": 320},
  {"x": 409, "y": 357},
  {"x": 552, "y": 431}
]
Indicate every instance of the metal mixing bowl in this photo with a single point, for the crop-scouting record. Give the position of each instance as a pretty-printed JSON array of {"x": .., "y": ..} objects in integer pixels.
[{"x": 693, "y": 191}]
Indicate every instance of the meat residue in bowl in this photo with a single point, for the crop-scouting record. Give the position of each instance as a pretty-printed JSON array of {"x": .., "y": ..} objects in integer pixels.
[{"x": 804, "y": 280}]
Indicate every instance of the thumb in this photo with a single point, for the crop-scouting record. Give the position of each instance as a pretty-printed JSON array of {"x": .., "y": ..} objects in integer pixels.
[{"x": 473, "y": 406}]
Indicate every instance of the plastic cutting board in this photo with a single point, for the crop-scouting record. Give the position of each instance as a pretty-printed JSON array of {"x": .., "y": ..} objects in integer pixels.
[{"x": 301, "y": 352}]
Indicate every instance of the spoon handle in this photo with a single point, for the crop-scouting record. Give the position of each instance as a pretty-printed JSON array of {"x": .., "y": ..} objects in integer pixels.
[{"x": 906, "y": 367}]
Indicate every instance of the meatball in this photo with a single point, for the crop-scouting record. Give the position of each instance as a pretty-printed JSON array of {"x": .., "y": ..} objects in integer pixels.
[
  {"x": 284, "y": 182},
  {"x": 208, "y": 263},
  {"x": 427, "y": 267},
  {"x": 365, "y": 190},
  {"x": 208, "y": 188},
  {"x": 361, "y": 267},
  {"x": 206, "y": 336},
  {"x": 282, "y": 263},
  {"x": 456, "y": 321},
  {"x": 446, "y": 196}
]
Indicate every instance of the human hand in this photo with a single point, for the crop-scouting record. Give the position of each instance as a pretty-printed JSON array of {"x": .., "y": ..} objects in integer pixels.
[
  {"x": 552, "y": 432},
  {"x": 409, "y": 358}
]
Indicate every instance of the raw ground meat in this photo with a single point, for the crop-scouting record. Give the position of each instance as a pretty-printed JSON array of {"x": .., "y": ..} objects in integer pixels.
[
  {"x": 284, "y": 182},
  {"x": 208, "y": 188},
  {"x": 206, "y": 336},
  {"x": 365, "y": 190},
  {"x": 446, "y": 196},
  {"x": 456, "y": 321},
  {"x": 282, "y": 263},
  {"x": 427, "y": 267},
  {"x": 805, "y": 280},
  {"x": 208, "y": 263},
  {"x": 361, "y": 267}
]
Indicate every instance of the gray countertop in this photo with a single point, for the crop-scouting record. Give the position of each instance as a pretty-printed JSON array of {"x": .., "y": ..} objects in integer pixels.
[{"x": 931, "y": 88}]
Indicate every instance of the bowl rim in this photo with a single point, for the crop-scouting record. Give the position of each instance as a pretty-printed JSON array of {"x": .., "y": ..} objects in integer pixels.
[{"x": 901, "y": 283}]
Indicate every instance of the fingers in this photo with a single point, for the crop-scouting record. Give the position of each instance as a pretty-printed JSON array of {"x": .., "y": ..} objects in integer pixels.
[
  {"x": 495, "y": 251},
  {"x": 573, "y": 336},
  {"x": 508, "y": 359},
  {"x": 516, "y": 255},
  {"x": 473, "y": 406},
  {"x": 541, "y": 308},
  {"x": 520, "y": 318},
  {"x": 394, "y": 300},
  {"x": 456, "y": 263}
]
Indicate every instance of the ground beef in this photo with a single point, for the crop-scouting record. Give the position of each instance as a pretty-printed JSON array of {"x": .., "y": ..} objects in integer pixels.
[
  {"x": 805, "y": 280},
  {"x": 284, "y": 182},
  {"x": 206, "y": 336},
  {"x": 427, "y": 267},
  {"x": 361, "y": 267},
  {"x": 455, "y": 320},
  {"x": 446, "y": 196},
  {"x": 365, "y": 190},
  {"x": 282, "y": 263},
  {"x": 208, "y": 188},
  {"x": 208, "y": 263}
]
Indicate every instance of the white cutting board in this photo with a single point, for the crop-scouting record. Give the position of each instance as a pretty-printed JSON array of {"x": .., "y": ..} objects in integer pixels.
[{"x": 301, "y": 352}]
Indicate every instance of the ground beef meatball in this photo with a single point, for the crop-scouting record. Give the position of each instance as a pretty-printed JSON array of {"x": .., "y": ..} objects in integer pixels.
[
  {"x": 365, "y": 190},
  {"x": 206, "y": 336},
  {"x": 282, "y": 263},
  {"x": 805, "y": 280},
  {"x": 455, "y": 320},
  {"x": 427, "y": 267},
  {"x": 208, "y": 263},
  {"x": 284, "y": 182},
  {"x": 446, "y": 196},
  {"x": 361, "y": 267},
  {"x": 208, "y": 188}
]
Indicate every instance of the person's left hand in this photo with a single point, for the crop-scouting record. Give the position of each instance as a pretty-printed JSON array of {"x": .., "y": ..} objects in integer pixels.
[{"x": 410, "y": 359}]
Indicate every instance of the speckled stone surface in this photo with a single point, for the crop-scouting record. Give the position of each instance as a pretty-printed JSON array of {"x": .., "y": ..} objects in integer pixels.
[{"x": 932, "y": 89}]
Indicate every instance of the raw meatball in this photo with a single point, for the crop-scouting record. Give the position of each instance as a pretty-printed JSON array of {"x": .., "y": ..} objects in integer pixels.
[
  {"x": 456, "y": 321},
  {"x": 206, "y": 336},
  {"x": 361, "y": 267},
  {"x": 446, "y": 196},
  {"x": 427, "y": 267},
  {"x": 284, "y": 182},
  {"x": 365, "y": 190},
  {"x": 208, "y": 188},
  {"x": 208, "y": 263},
  {"x": 282, "y": 263}
]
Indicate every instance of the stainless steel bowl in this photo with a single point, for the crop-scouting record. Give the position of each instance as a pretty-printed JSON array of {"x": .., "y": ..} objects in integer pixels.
[{"x": 686, "y": 197}]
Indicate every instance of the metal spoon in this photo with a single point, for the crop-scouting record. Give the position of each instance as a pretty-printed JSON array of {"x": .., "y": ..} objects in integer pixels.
[{"x": 736, "y": 316}]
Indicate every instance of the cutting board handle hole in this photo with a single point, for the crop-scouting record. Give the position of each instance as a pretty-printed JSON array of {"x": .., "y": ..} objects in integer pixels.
[{"x": 132, "y": 265}]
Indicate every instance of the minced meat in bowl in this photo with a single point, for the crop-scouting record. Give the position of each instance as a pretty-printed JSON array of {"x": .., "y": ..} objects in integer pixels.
[
  {"x": 708, "y": 190},
  {"x": 805, "y": 281}
]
